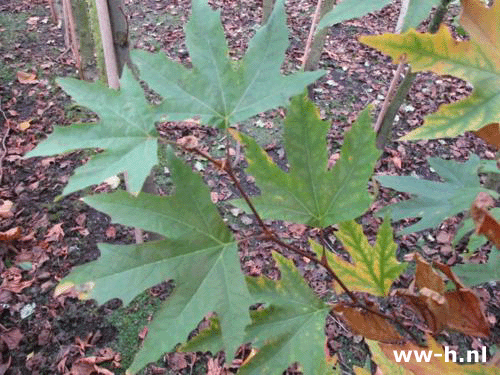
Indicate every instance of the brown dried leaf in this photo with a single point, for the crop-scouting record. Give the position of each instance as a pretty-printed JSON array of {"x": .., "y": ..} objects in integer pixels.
[
  {"x": 486, "y": 224},
  {"x": 56, "y": 233},
  {"x": 426, "y": 277},
  {"x": 11, "y": 338},
  {"x": 431, "y": 306},
  {"x": 213, "y": 367},
  {"x": 466, "y": 313},
  {"x": 177, "y": 361},
  {"x": 189, "y": 142},
  {"x": 12, "y": 280},
  {"x": 111, "y": 232},
  {"x": 490, "y": 133},
  {"x": 460, "y": 310},
  {"x": 144, "y": 332},
  {"x": 26, "y": 78},
  {"x": 368, "y": 324},
  {"x": 10, "y": 235}
]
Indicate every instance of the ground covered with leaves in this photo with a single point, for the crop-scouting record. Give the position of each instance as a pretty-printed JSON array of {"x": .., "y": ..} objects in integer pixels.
[{"x": 42, "y": 237}]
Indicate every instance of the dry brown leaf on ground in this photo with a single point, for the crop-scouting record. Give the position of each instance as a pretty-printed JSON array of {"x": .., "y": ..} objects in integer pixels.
[
  {"x": 10, "y": 235},
  {"x": 26, "y": 78},
  {"x": 11, "y": 338},
  {"x": 368, "y": 324},
  {"x": 13, "y": 280},
  {"x": 214, "y": 368},
  {"x": 56, "y": 233}
]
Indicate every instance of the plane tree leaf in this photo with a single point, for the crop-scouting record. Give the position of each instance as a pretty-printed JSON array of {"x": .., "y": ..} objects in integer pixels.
[
  {"x": 199, "y": 253},
  {"x": 474, "y": 274},
  {"x": 435, "y": 201},
  {"x": 475, "y": 60},
  {"x": 349, "y": 9},
  {"x": 125, "y": 131},
  {"x": 222, "y": 91},
  {"x": 309, "y": 193},
  {"x": 374, "y": 268},
  {"x": 291, "y": 326}
]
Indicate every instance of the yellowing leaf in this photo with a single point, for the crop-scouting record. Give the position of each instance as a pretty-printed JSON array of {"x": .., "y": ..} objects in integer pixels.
[
  {"x": 476, "y": 60},
  {"x": 375, "y": 267},
  {"x": 385, "y": 365},
  {"x": 309, "y": 193}
]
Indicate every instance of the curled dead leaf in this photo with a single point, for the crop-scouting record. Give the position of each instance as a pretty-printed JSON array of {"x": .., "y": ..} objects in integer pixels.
[
  {"x": 368, "y": 324},
  {"x": 431, "y": 306},
  {"x": 10, "y": 235},
  {"x": 467, "y": 313},
  {"x": 26, "y": 78},
  {"x": 426, "y": 277},
  {"x": 12, "y": 280},
  {"x": 459, "y": 309},
  {"x": 485, "y": 223}
]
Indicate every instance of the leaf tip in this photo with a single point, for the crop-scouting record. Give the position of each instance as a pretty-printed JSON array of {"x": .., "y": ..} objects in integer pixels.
[
  {"x": 63, "y": 288},
  {"x": 235, "y": 134},
  {"x": 82, "y": 290}
]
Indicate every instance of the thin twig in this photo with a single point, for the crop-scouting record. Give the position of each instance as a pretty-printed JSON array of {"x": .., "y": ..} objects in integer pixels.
[
  {"x": 390, "y": 94},
  {"x": 4, "y": 148},
  {"x": 315, "y": 20}
]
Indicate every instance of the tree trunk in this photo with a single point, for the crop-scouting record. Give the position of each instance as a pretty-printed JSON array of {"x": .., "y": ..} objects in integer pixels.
[
  {"x": 319, "y": 39},
  {"x": 119, "y": 27},
  {"x": 86, "y": 44}
]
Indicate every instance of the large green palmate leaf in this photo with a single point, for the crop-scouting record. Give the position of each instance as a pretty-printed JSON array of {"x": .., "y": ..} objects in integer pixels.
[
  {"x": 199, "y": 254},
  {"x": 375, "y": 267},
  {"x": 218, "y": 89},
  {"x": 349, "y": 9},
  {"x": 126, "y": 132},
  {"x": 476, "y": 60},
  {"x": 474, "y": 274},
  {"x": 309, "y": 193},
  {"x": 291, "y": 327},
  {"x": 435, "y": 201}
]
